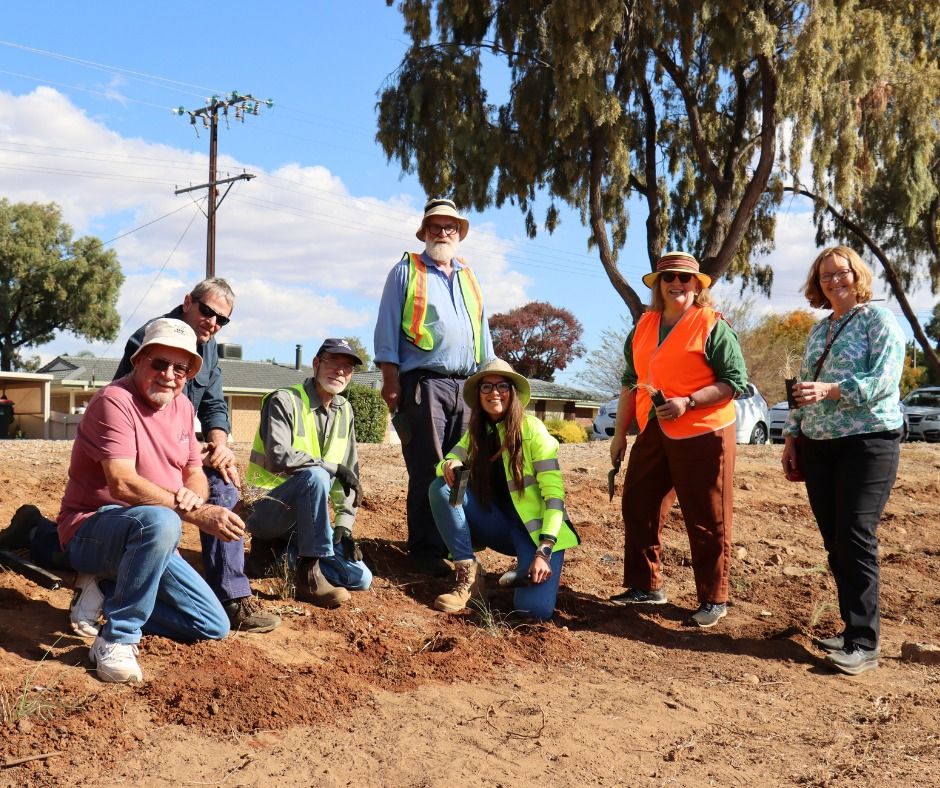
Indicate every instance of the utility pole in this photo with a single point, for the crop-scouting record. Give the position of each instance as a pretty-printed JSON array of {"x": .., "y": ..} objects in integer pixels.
[{"x": 209, "y": 115}]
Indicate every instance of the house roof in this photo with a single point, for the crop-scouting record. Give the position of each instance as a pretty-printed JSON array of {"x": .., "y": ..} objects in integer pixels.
[{"x": 260, "y": 377}]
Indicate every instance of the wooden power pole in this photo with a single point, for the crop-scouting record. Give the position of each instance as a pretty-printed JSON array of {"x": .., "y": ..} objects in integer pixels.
[{"x": 241, "y": 105}]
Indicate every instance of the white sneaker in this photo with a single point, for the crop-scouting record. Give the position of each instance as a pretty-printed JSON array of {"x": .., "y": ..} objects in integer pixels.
[
  {"x": 116, "y": 662},
  {"x": 87, "y": 606}
]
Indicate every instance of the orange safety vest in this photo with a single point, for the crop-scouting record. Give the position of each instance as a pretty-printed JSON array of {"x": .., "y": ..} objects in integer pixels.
[
  {"x": 415, "y": 308},
  {"x": 678, "y": 367}
]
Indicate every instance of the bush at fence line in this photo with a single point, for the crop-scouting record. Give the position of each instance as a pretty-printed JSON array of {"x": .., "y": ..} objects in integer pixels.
[
  {"x": 566, "y": 431},
  {"x": 370, "y": 412}
]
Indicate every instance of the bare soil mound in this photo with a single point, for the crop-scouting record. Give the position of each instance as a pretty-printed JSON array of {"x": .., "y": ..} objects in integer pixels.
[{"x": 385, "y": 691}]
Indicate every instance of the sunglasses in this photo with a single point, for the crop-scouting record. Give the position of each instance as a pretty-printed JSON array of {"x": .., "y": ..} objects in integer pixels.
[
  {"x": 180, "y": 371},
  {"x": 502, "y": 387},
  {"x": 207, "y": 311},
  {"x": 442, "y": 229},
  {"x": 671, "y": 276}
]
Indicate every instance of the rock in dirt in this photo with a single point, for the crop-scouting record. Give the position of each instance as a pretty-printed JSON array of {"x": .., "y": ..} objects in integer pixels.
[{"x": 924, "y": 653}]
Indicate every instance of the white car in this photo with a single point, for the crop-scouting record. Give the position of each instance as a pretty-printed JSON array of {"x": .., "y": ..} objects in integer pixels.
[
  {"x": 777, "y": 421},
  {"x": 751, "y": 420},
  {"x": 603, "y": 427},
  {"x": 750, "y": 411}
]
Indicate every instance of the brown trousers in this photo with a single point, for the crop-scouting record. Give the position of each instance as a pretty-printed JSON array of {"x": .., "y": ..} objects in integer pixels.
[{"x": 699, "y": 472}]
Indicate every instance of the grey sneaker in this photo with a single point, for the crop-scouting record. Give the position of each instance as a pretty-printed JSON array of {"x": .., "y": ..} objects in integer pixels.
[
  {"x": 87, "y": 606},
  {"x": 853, "y": 660},
  {"x": 707, "y": 615},
  {"x": 637, "y": 596},
  {"x": 835, "y": 643}
]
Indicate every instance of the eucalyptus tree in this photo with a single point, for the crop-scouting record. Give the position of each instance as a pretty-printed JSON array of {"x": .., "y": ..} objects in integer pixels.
[{"x": 676, "y": 103}]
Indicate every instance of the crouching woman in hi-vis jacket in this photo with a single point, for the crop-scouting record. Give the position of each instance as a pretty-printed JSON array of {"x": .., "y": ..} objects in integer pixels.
[{"x": 515, "y": 501}]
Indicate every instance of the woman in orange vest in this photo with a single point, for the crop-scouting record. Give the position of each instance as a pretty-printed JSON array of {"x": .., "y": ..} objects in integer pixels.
[{"x": 683, "y": 368}]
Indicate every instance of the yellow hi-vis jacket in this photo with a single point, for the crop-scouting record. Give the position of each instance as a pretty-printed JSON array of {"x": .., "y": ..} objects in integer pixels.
[
  {"x": 540, "y": 503},
  {"x": 304, "y": 439},
  {"x": 416, "y": 305}
]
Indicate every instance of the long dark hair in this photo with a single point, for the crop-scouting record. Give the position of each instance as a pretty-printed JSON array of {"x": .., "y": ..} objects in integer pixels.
[{"x": 478, "y": 460}]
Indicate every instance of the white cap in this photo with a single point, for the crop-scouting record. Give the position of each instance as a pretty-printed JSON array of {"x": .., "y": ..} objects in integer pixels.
[{"x": 169, "y": 332}]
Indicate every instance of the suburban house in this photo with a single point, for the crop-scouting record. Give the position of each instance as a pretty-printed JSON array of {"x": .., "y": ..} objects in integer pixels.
[{"x": 71, "y": 381}]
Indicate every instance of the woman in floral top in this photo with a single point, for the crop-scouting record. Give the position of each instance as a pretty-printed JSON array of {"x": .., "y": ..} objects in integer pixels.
[{"x": 850, "y": 417}]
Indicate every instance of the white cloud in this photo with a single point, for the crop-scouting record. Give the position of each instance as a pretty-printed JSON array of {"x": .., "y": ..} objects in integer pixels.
[{"x": 305, "y": 257}]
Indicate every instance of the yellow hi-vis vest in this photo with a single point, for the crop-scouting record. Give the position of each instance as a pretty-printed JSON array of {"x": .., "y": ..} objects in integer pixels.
[
  {"x": 416, "y": 305},
  {"x": 304, "y": 439},
  {"x": 540, "y": 503}
]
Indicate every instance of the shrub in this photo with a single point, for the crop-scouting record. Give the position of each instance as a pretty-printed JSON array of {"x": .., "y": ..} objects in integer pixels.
[
  {"x": 566, "y": 431},
  {"x": 370, "y": 412}
]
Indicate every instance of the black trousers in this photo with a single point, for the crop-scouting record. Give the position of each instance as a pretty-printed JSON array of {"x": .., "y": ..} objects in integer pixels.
[
  {"x": 848, "y": 481},
  {"x": 437, "y": 418}
]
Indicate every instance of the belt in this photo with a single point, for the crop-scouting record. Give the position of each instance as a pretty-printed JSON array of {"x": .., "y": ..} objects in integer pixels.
[{"x": 430, "y": 373}]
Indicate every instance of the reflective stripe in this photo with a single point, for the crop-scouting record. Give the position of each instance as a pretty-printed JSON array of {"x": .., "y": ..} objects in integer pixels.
[
  {"x": 555, "y": 503},
  {"x": 546, "y": 465},
  {"x": 459, "y": 452},
  {"x": 533, "y": 526},
  {"x": 420, "y": 304},
  {"x": 526, "y": 482}
]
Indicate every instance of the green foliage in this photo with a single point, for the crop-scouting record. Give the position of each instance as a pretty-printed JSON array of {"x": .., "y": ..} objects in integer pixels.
[
  {"x": 50, "y": 283},
  {"x": 360, "y": 349},
  {"x": 565, "y": 431},
  {"x": 370, "y": 412}
]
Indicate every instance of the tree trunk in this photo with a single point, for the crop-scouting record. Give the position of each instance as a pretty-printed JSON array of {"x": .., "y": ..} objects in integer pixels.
[
  {"x": 897, "y": 290},
  {"x": 599, "y": 230}
]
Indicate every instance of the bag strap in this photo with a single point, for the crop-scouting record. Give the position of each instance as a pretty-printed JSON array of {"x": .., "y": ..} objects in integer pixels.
[{"x": 830, "y": 343}]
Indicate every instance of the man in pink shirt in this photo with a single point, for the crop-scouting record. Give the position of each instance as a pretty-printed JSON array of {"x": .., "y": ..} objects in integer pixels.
[{"x": 135, "y": 474}]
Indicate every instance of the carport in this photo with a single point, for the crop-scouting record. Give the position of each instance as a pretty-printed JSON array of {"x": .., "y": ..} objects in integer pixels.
[{"x": 30, "y": 395}]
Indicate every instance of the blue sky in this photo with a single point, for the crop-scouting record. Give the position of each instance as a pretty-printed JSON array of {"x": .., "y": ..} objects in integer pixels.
[{"x": 85, "y": 121}]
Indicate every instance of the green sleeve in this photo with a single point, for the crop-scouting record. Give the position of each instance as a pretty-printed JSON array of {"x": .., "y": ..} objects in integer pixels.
[
  {"x": 723, "y": 354},
  {"x": 629, "y": 378}
]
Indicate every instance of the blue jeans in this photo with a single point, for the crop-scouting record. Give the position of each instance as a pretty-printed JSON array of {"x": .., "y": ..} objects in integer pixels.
[
  {"x": 154, "y": 590},
  {"x": 298, "y": 509},
  {"x": 462, "y": 527},
  {"x": 224, "y": 562}
]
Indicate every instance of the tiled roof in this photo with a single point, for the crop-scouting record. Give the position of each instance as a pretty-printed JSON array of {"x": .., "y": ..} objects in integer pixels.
[{"x": 260, "y": 377}]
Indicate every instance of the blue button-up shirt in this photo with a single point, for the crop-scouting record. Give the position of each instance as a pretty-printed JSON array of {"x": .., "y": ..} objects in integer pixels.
[{"x": 447, "y": 321}]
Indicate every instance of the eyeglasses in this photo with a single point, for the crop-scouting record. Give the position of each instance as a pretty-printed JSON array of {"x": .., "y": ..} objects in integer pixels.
[
  {"x": 671, "y": 276},
  {"x": 442, "y": 229},
  {"x": 345, "y": 367},
  {"x": 502, "y": 387},
  {"x": 180, "y": 371},
  {"x": 837, "y": 276},
  {"x": 207, "y": 311}
]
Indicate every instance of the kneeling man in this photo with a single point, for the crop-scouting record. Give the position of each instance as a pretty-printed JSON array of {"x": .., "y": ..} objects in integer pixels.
[
  {"x": 305, "y": 454},
  {"x": 135, "y": 474}
]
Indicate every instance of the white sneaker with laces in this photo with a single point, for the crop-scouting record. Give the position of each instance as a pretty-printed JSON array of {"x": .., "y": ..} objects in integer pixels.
[
  {"x": 115, "y": 662},
  {"x": 87, "y": 606}
]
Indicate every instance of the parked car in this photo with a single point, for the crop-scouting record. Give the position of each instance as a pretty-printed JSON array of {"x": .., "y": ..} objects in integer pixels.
[
  {"x": 603, "y": 427},
  {"x": 922, "y": 408},
  {"x": 751, "y": 419},
  {"x": 750, "y": 412},
  {"x": 777, "y": 420}
]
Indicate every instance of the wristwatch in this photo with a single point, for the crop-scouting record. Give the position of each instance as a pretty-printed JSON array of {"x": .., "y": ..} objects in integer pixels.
[
  {"x": 545, "y": 551},
  {"x": 690, "y": 400}
]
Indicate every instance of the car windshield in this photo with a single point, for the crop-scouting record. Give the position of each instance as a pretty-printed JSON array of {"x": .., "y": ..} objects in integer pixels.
[{"x": 924, "y": 399}]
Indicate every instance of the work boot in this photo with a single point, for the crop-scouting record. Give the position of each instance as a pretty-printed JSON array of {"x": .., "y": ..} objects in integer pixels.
[
  {"x": 314, "y": 588},
  {"x": 469, "y": 586},
  {"x": 246, "y": 615},
  {"x": 16, "y": 536}
]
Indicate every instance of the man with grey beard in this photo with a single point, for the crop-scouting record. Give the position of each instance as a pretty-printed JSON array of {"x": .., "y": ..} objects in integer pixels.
[{"x": 431, "y": 334}]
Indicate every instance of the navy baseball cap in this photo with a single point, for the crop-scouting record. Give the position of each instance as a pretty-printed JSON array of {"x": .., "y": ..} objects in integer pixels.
[{"x": 337, "y": 345}]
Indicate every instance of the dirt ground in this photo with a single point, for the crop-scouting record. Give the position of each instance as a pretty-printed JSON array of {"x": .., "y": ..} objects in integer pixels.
[{"x": 387, "y": 692}]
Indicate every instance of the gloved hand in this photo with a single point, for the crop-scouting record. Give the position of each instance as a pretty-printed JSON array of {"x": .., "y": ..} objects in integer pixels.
[
  {"x": 350, "y": 481},
  {"x": 342, "y": 535}
]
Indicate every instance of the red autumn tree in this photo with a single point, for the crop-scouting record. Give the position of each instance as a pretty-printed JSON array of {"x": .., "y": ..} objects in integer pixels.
[{"x": 538, "y": 339}]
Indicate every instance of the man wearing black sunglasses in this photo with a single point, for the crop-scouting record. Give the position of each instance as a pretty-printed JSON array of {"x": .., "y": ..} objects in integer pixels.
[{"x": 206, "y": 310}]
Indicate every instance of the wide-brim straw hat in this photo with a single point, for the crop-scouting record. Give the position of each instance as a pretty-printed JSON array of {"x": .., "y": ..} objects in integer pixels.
[
  {"x": 496, "y": 366},
  {"x": 169, "y": 332},
  {"x": 680, "y": 263},
  {"x": 442, "y": 207}
]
